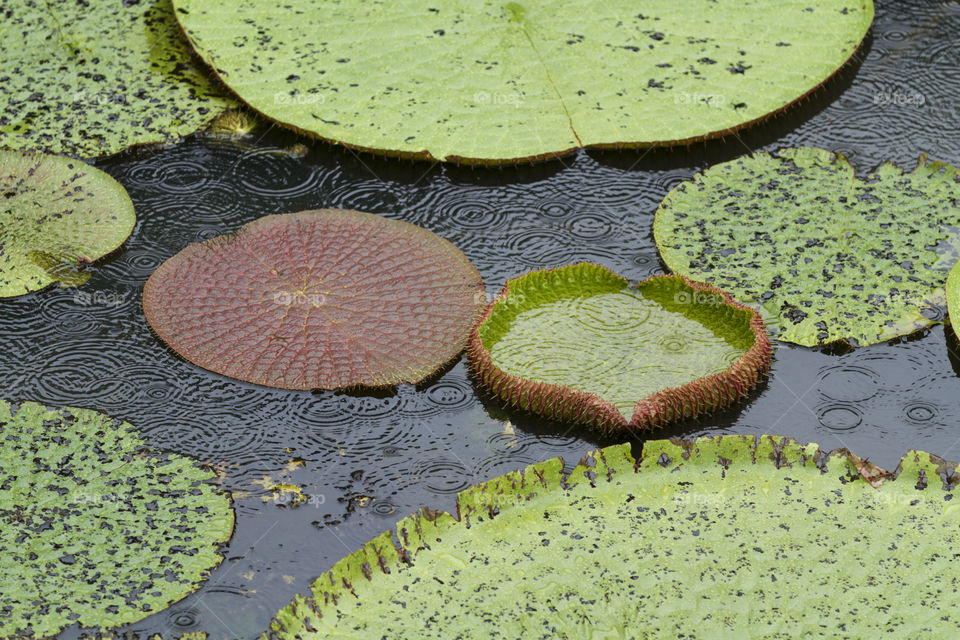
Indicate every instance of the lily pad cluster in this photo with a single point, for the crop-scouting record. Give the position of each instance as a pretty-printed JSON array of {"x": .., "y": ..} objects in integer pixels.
[
  {"x": 686, "y": 541},
  {"x": 500, "y": 82},
  {"x": 318, "y": 299},
  {"x": 94, "y": 528},
  {"x": 92, "y": 78},
  {"x": 57, "y": 214},
  {"x": 580, "y": 344},
  {"x": 830, "y": 256}
]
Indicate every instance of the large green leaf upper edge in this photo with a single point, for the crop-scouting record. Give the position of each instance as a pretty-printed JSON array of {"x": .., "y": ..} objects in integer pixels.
[{"x": 203, "y": 32}]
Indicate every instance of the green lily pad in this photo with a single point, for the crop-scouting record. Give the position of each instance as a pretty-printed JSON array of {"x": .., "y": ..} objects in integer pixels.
[
  {"x": 953, "y": 295},
  {"x": 497, "y": 82},
  {"x": 94, "y": 528},
  {"x": 323, "y": 299},
  {"x": 726, "y": 537},
  {"x": 92, "y": 78},
  {"x": 580, "y": 344},
  {"x": 827, "y": 255},
  {"x": 56, "y": 214}
]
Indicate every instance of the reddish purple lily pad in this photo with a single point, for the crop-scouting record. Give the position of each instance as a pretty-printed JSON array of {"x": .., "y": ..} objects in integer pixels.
[{"x": 322, "y": 299}]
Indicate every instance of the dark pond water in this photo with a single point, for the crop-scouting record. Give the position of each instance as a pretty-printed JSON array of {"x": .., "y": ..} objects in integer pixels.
[{"x": 368, "y": 460}]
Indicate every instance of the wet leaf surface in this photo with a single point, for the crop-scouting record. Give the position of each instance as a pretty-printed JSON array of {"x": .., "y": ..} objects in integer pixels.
[
  {"x": 494, "y": 82},
  {"x": 96, "y": 529},
  {"x": 56, "y": 214},
  {"x": 687, "y": 541},
  {"x": 580, "y": 344},
  {"x": 318, "y": 299},
  {"x": 828, "y": 255},
  {"x": 92, "y": 78}
]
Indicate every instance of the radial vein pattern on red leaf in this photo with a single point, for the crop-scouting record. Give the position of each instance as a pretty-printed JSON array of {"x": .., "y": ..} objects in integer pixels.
[
  {"x": 323, "y": 299},
  {"x": 580, "y": 344}
]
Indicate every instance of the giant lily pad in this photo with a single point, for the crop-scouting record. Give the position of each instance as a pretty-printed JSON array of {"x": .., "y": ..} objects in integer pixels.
[
  {"x": 829, "y": 256},
  {"x": 579, "y": 344},
  {"x": 496, "y": 82},
  {"x": 733, "y": 537},
  {"x": 91, "y": 78},
  {"x": 55, "y": 215},
  {"x": 317, "y": 299},
  {"x": 95, "y": 529}
]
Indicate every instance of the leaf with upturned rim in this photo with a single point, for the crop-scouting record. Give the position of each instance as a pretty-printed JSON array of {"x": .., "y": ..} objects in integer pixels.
[
  {"x": 321, "y": 299},
  {"x": 580, "y": 344},
  {"x": 56, "y": 214},
  {"x": 731, "y": 536}
]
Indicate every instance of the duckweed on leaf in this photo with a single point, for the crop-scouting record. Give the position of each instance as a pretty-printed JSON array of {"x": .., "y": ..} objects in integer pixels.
[
  {"x": 828, "y": 255},
  {"x": 94, "y": 528},
  {"x": 497, "y": 82},
  {"x": 92, "y": 78},
  {"x": 579, "y": 344}
]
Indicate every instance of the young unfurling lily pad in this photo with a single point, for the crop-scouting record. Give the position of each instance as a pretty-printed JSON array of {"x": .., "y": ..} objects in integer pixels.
[
  {"x": 507, "y": 81},
  {"x": 94, "y": 528},
  {"x": 56, "y": 214},
  {"x": 321, "y": 299},
  {"x": 683, "y": 542},
  {"x": 580, "y": 344},
  {"x": 830, "y": 256}
]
